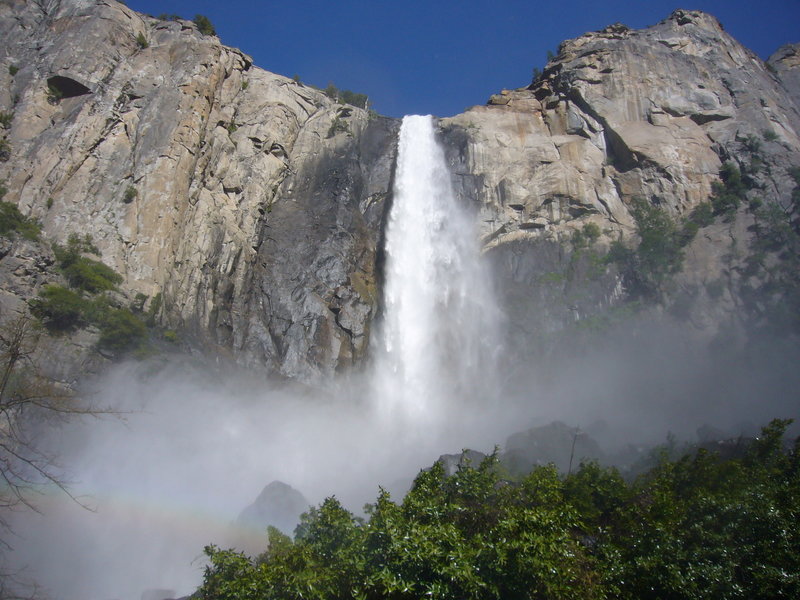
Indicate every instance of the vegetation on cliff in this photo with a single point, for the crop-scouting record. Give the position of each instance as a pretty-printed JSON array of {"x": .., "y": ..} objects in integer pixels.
[{"x": 696, "y": 527}]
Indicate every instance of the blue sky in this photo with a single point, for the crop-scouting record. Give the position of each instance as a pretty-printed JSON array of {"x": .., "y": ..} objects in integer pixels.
[{"x": 439, "y": 57}]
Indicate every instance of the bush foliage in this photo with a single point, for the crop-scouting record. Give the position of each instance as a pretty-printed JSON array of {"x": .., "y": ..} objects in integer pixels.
[
  {"x": 204, "y": 25},
  {"x": 13, "y": 222},
  {"x": 86, "y": 301},
  {"x": 696, "y": 527}
]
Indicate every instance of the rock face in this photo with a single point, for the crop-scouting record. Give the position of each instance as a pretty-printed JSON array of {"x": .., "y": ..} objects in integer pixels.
[
  {"x": 618, "y": 115},
  {"x": 254, "y": 205},
  {"x": 218, "y": 185},
  {"x": 565, "y": 447},
  {"x": 278, "y": 505}
]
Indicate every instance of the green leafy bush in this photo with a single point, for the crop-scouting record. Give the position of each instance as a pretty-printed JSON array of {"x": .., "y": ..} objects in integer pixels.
[
  {"x": 359, "y": 100},
  {"x": 91, "y": 275},
  {"x": 204, "y": 25},
  {"x": 130, "y": 194},
  {"x": 13, "y": 70},
  {"x": 702, "y": 214},
  {"x": 332, "y": 92},
  {"x": 141, "y": 41},
  {"x": 659, "y": 253},
  {"x": 84, "y": 273},
  {"x": 698, "y": 527},
  {"x": 59, "y": 308},
  {"x": 338, "y": 125},
  {"x": 769, "y": 135},
  {"x": 5, "y": 150},
  {"x": 728, "y": 194},
  {"x": 14, "y": 222},
  {"x": 120, "y": 330},
  {"x": 5, "y": 119},
  {"x": 154, "y": 309}
]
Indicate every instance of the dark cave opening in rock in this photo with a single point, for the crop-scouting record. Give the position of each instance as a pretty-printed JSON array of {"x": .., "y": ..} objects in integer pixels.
[{"x": 68, "y": 88}]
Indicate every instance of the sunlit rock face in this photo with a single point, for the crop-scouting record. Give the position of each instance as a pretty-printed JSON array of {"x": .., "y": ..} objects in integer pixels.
[
  {"x": 202, "y": 178},
  {"x": 254, "y": 204},
  {"x": 621, "y": 114}
]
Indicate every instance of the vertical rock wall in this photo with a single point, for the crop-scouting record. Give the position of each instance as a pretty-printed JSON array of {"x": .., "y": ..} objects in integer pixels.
[
  {"x": 618, "y": 115},
  {"x": 202, "y": 178}
]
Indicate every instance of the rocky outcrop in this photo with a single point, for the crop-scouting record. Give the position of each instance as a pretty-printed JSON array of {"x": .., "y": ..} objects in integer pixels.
[
  {"x": 278, "y": 505},
  {"x": 222, "y": 187},
  {"x": 618, "y": 115},
  {"x": 563, "y": 446},
  {"x": 785, "y": 64}
]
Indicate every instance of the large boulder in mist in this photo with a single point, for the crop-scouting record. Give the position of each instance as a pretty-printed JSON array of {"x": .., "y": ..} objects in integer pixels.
[
  {"x": 468, "y": 458},
  {"x": 279, "y": 505},
  {"x": 551, "y": 443}
]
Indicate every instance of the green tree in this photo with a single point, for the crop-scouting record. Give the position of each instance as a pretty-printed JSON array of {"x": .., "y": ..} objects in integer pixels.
[
  {"x": 204, "y": 25},
  {"x": 13, "y": 222}
]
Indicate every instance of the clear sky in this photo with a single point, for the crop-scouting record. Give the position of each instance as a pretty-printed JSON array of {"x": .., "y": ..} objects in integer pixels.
[{"x": 441, "y": 56}]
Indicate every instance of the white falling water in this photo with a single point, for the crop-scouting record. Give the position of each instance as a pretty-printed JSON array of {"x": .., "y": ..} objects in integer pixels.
[{"x": 438, "y": 334}]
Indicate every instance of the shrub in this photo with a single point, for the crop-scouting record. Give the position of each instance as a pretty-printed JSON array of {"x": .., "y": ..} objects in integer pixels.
[
  {"x": 660, "y": 251},
  {"x": 769, "y": 135},
  {"x": 14, "y": 222},
  {"x": 59, "y": 308},
  {"x": 204, "y": 25},
  {"x": 331, "y": 91},
  {"x": 5, "y": 150},
  {"x": 702, "y": 214},
  {"x": 591, "y": 232},
  {"x": 142, "y": 41},
  {"x": 359, "y": 100},
  {"x": 84, "y": 273},
  {"x": 13, "y": 70},
  {"x": 120, "y": 330},
  {"x": 85, "y": 243},
  {"x": 694, "y": 527},
  {"x": 728, "y": 194},
  {"x": 130, "y": 194},
  {"x": 6, "y": 118},
  {"x": 338, "y": 125},
  {"x": 154, "y": 309},
  {"x": 91, "y": 275},
  {"x": 752, "y": 144},
  {"x": 168, "y": 17}
]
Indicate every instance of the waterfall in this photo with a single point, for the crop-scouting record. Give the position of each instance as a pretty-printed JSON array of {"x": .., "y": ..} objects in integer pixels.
[{"x": 436, "y": 342}]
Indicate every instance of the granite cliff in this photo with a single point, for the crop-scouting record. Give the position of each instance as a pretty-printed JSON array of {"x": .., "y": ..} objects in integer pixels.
[
  {"x": 618, "y": 115},
  {"x": 252, "y": 206},
  {"x": 220, "y": 188}
]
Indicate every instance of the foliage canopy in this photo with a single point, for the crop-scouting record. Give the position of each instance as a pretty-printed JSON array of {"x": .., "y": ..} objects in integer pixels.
[{"x": 696, "y": 527}]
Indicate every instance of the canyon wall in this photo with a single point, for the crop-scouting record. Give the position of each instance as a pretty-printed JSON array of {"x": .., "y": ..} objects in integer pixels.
[
  {"x": 248, "y": 207},
  {"x": 248, "y": 203},
  {"x": 620, "y": 115}
]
